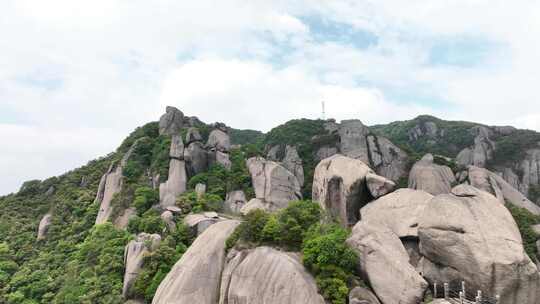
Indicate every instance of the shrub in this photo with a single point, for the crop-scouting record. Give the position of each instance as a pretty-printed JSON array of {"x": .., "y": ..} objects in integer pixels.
[
  {"x": 145, "y": 197},
  {"x": 525, "y": 220},
  {"x": 149, "y": 222},
  {"x": 295, "y": 220}
]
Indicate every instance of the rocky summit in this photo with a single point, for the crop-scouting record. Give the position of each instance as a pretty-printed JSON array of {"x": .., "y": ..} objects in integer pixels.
[{"x": 313, "y": 211}]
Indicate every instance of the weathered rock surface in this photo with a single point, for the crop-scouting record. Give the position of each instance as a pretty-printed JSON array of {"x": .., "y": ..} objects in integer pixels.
[
  {"x": 196, "y": 277},
  {"x": 219, "y": 140},
  {"x": 177, "y": 147},
  {"x": 481, "y": 151},
  {"x": 256, "y": 203},
  {"x": 488, "y": 181},
  {"x": 234, "y": 201},
  {"x": 273, "y": 184},
  {"x": 384, "y": 262},
  {"x": 266, "y": 275},
  {"x": 134, "y": 256},
  {"x": 196, "y": 158},
  {"x": 424, "y": 129},
  {"x": 200, "y": 189},
  {"x": 199, "y": 222},
  {"x": 171, "y": 122},
  {"x": 430, "y": 177},
  {"x": 399, "y": 211},
  {"x": 193, "y": 135},
  {"x": 121, "y": 222},
  {"x": 223, "y": 159},
  {"x": 379, "y": 185},
  {"x": 176, "y": 183},
  {"x": 360, "y": 295},
  {"x": 168, "y": 217},
  {"x": 339, "y": 185},
  {"x": 44, "y": 225},
  {"x": 470, "y": 234}
]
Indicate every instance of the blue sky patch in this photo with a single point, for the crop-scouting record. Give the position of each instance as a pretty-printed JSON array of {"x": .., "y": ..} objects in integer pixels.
[
  {"x": 462, "y": 51},
  {"x": 324, "y": 30}
]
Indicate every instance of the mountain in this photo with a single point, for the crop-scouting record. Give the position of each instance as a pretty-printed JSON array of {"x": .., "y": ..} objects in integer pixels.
[{"x": 186, "y": 211}]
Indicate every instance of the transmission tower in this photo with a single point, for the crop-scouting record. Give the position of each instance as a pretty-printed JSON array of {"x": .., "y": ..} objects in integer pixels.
[{"x": 323, "y": 111}]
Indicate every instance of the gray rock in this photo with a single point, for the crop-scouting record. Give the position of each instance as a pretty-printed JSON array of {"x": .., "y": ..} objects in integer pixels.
[
  {"x": 430, "y": 177},
  {"x": 134, "y": 257},
  {"x": 110, "y": 184},
  {"x": 360, "y": 295},
  {"x": 51, "y": 190},
  {"x": 177, "y": 147},
  {"x": 121, "y": 222},
  {"x": 200, "y": 189},
  {"x": 272, "y": 183},
  {"x": 175, "y": 185},
  {"x": 219, "y": 140},
  {"x": 427, "y": 129},
  {"x": 536, "y": 229},
  {"x": 384, "y": 262},
  {"x": 407, "y": 205},
  {"x": 196, "y": 277},
  {"x": 171, "y": 122},
  {"x": 386, "y": 158},
  {"x": 490, "y": 182},
  {"x": 234, "y": 201},
  {"x": 223, "y": 159},
  {"x": 256, "y": 203},
  {"x": 471, "y": 233},
  {"x": 266, "y": 275},
  {"x": 481, "y": 151},
  {"x": 353, "y": 140},
  {"x": 44, "y": 225},
  {"x": 339, "y": 186},
  {"x": 168, "y": 218},
  {"x": 379, "y": 185},
  {"x": 293, "y": 163},
  {"x": 199, "y": 222},
  {"x": 325, "y": 152},
  {"x": 193, "y": 135},
  {"x": 504, "y": 130},
  {"x": 196, "y": 158}
]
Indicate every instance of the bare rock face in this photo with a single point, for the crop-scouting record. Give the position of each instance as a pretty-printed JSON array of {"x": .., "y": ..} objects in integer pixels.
[
  {"x": 360, "y": 295},
  {"x": 121, "y": 222},
  {"x": 266, "y": 275},
  {"x": 325, "y": 152},
  {"x": 168, "y": 217},
  {"x": 530, "y": 167},
  {"x": 234, "y": 201},
  {"x": 288, "y": 157},
  {"x": 200, "y": 189},
  {"x": 176, "y": 183},
  {"x": 256, "y": 203},
  {"x": 193, "y": 135},
  {"x": 199, "y": 222},
  {"x": 44, "y": 225},
  {"x": 481, "y": 152},
  {"x": 468, "y": 233},
  {"x": 196, "y": 277},
  {"x": 171, "y": 122},
  {"x": 407, "y": 205},
  {"x": 379, "y": 185},
  {"x": 427, "y": 129},
  {"x": 219, "y": 140},
  {"x": 196, "y": 158},
  {"x": 430, "y": 177},
  {"x": 273, "y": 184},
  {"x": 222, "y": 159},
  {"x": 384, "y": 262},
  {"x": 339, "y": 185},
  {"x": 488, "y": 181},
  {"x": 133, "y": 258}
]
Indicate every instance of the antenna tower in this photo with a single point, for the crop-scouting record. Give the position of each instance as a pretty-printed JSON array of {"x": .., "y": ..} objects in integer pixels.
[{"x": 323, "y": 111}]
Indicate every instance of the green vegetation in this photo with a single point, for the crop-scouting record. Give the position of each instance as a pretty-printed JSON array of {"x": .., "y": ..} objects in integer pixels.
[
  {"x": 189, "y": 202},
  {"x": 512, "y": 148},
  {"x": 534, "y": 193},
  {"x": 243, "y": 137},
  {"x": 298, "y": 227},
  {"x": 525, "y": 220},
  {"x": 299, "y": 133}
]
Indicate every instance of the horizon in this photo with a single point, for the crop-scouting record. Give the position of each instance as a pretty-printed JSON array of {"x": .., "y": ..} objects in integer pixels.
[{"x": 77, "y": 77}]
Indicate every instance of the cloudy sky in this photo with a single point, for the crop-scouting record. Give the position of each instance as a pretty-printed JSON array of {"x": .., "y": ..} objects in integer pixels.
[{"x": 77, "y": 76}]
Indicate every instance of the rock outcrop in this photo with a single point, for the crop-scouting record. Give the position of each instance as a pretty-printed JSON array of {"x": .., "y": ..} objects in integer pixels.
[
  {"x": 44, "y": 225},
  {"x": 122, "y": 221},
  {"x": 234, "y": 201},
  {"x": 470, "y": 235},
  {"x": 200, "y": 190},
  {"x": 430, "y": 177},
  {"x": 360, "y": 295},
  {"x": 171, "y": 122},
  {"x": 340, "y": 186},
  {"x": 273, "y": 184},
  {"x": 133, "y": 258},
  {"x": 168, "y": 217},
  {"x": 195, "y": 154},
  {"x": 176, "y": 183},
  {"x": 384, "y": 263},
  {"x": 266, "y": 275},
  {"x": 288, "y": 157},
  {"x": 219, "y": 140},
  {"x": 196, "y": 277},
  {"x": 482, "y": 150},
  {"x": 488, "y": 181},
  {"x": 199, "y": 222}
]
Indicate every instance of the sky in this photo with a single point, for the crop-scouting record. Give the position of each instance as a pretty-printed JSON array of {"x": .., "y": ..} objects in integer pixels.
[{"x": 77, "y": 76}]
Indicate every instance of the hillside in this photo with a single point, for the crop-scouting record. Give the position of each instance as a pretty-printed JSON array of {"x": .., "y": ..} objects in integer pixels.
[{"x": 179, "y": 192}]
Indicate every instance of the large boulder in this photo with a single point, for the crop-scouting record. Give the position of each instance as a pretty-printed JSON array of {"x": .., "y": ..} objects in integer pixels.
[
  {"x": 470, "y": 235},
  {"x": 193, "y": 135},
  {"x": 288, "y": 157},
  {"x": 407, "y": 205},
  {"x": 134, "y": 257},
  {"x": 379, "y": 185},
  {"x": 430, "y": 177},
  {"x": 122, "y": 221},
  {"x": 273, "y": 184},
  {"x": 196, "y": 158},
  {"x": 171, "y": 122},
  {"x": 360, "y": 295},
  {"x": 340, "y": 186},
  {"x": 44, "y": 225},
  {"x": 176, "y": 183},
  {"x": 219, "y": 140},
  {"x": 266, "y": 275},
  {"x": 196, "y": 277},
  {"x": 384, "y": 263},
  {"x": 234, "y": 201},
  {"x": 488, "y": 181},
  {"x": 199, "y": 222},
  {"x": 482, "y": 150}
]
